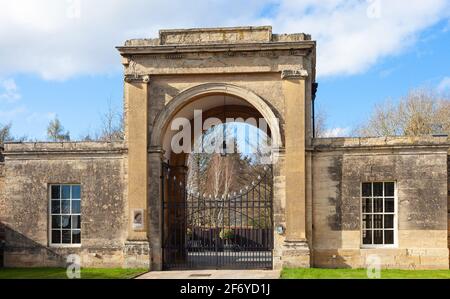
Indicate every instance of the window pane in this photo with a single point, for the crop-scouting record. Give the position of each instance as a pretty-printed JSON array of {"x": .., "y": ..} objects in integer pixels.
[
  {"x": 377, "y": 237},
  {"x": 56, "y": 207},
  {"x": 76, "y": 192},
  {"x": 76, "y": 237},
  {"x": 65, "y": 206},
  {"x": 66, "y": 236},
  {"x": 378, "y": 205},
  {"x": 367, "y": 189},
  {"x": 76, "y": 207},
  {"x": 367, "y": 205},
  {"x": 56, "y": 192},
  {"x": 65, "y": 200},
  {"x": 388, "y": 221},
  {"x": 367, "y": 221},
  {"x": 56, "y": 221},
  {"x": 388, "y": 237},
  {"x": 367, "y": 237},
  {"x": 76, "y": 221},
  {"x": 389, "y": 205},
  {"x": 65, "y": 222},
  {"x": 377, "y": 221},
  {"x": 389, "y": 189},
  {"x": 65, "y": 194},
  {"x": 56, "y": 236},
  {"x": 377, "y": 189}
]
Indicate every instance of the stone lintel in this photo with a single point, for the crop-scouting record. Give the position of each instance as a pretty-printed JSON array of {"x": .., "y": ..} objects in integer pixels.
[{"x": 140, "y": 49}]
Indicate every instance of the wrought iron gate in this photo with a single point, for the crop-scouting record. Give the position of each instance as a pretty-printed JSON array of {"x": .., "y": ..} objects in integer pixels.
[{"x": 229, "y": 232}]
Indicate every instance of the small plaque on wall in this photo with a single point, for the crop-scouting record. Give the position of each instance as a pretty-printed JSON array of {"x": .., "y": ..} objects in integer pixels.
[{"x": 138, "y": 219}]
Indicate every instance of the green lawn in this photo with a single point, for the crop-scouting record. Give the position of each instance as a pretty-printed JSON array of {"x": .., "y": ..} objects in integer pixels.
[
  {"x": 86, "y": 273},
  {"x": 361, "y": 273}
]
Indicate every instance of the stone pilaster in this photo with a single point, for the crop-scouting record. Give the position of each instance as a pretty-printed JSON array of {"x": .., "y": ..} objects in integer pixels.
[
  {"x": 137, "y": 249},
  {"x": 155, "y": 158},
  {"x": 296, "y": 251}
]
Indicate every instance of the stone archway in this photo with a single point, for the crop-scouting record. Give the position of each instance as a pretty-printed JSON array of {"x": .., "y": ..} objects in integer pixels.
[
  {"x": 164, "y": 75},
  {"x": 198, "y": 91},
  {"x": 256, "y": 108}
]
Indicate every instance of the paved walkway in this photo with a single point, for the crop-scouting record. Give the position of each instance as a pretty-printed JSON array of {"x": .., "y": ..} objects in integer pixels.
[{"x": 212, "y": 274}]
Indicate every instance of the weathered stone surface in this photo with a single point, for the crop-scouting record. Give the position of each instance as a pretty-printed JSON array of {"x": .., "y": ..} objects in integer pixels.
[
  {"x": 248, "y": 59},
  {"x": 216, "y": 35},
  {"x": 415, "y": 164},
  {"x": 30, "y": 168},
  {"x": 226, "y": 35},
  {"x": 137, "y": 254}
]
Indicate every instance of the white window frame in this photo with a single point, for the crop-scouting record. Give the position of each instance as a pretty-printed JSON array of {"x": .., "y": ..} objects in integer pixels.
[
  {"x": 50, "y": 214},
  {"x": 369, "y": 246}
]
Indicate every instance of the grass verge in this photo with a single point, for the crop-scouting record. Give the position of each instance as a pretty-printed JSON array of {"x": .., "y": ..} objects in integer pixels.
[
  {"x": 315, "y": 273},
  {"x": 60, "y": 273}
]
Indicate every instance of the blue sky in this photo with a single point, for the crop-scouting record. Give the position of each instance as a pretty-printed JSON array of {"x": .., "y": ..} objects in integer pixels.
[
  {"x": 61, "y": 60},
  {"x": 348, "y": 100}
]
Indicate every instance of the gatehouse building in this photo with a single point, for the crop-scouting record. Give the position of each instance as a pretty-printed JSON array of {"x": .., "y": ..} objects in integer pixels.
[{"x": 320, "y": 202}]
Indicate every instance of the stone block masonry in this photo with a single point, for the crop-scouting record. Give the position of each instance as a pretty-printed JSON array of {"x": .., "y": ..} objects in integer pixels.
[
  {"x": 416, "y": 166},
  {"x": 28, "y": 170}
]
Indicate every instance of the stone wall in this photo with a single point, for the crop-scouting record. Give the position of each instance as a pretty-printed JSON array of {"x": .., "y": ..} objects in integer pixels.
[
  {"x": 418, "y": 166},
  {"x": 29, "y": 168}
]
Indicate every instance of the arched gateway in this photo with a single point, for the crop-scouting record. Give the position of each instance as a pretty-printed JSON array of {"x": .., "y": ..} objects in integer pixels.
[
  {"x": 224, "y": 72},
  {"x": 229, "y": 227}
]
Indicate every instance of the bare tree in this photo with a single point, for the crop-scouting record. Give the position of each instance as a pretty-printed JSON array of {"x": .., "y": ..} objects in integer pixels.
[
  {"x": 55, "y": 131},
  {"x": 420, "y": 112},
  {"x": 112, "y": 124},
  {"x": 320, "y": 123},
  {"x": 6, "y": 135},
  {"x": 221, "y": 177}
]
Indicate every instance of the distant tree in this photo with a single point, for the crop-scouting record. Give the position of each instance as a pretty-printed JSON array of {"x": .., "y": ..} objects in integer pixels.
[
  {"x": 112, "y": 128},
  {"x": 56, "y": 132},
  {"x": 87, "y": 137},
  {"x": 420, "y": 112},
  {"x": 6, "y": 135},
  {"x": 222, "y": 178},
  {"x": 320, "y": 120}
]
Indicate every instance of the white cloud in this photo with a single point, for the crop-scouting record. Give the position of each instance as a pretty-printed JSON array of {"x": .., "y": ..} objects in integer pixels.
[
  {"x": 48, "y": 38},
  {"x": 9, "y": 91},
  {"x": 59, "y": 39},
  {"x": 444, "y": 85},
  {"x": 349, "y": 41},
  {"x": 336, "y": 132}
]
